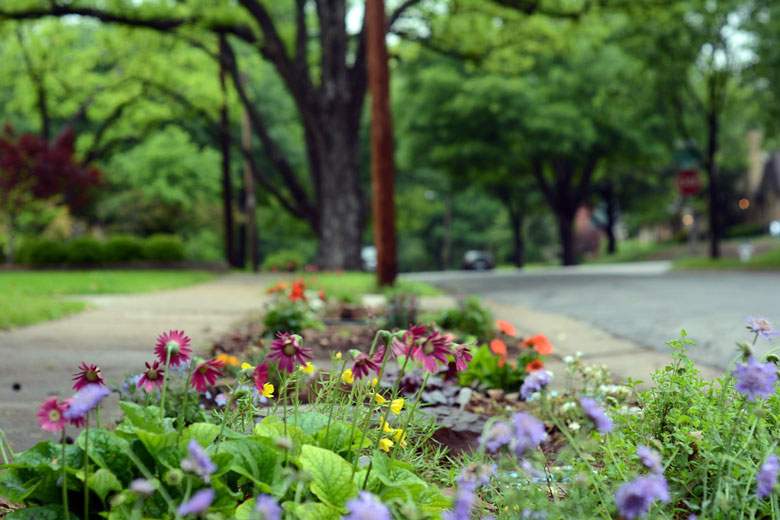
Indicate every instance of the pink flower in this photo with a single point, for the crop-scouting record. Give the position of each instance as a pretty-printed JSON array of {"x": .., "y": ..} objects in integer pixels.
[
  {"x": 288, "y": 351},
  {"x": 87, "y": 375},
  {"x": 364, "y": 363},
  {"x": 177, "y": 343},
  {"x": 50, "y": 416},
  {"x": 462, "y": 356},
  {"x": 260, "y": 375},
  {"x": 412, "y": 334},
  {"x": 153, "y": 376},
  {"x": 431, "y": 351},
  {"x": 206, "y": 374},
  {"x": 79, "y": 421}
]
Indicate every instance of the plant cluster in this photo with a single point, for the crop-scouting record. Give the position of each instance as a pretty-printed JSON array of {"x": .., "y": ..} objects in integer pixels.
[
  {"x": 400, "y": 308},
  {"x": 469, "y": 318},
  {"x": 89, "y": 251},
  {"x": 292, "y": 308}
]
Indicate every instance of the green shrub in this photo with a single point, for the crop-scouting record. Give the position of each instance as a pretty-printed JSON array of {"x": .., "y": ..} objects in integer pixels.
[
  {"x": 207, "y": 245},
  {"x": 123, "y": 248},
  {"x": 747, "y": 230},
  {"x": 285, "y": 315},
  {"x": 84, "y": 251},
  {"x": 163, "y": 248},
  {"x": 284, "y": 260},
  {"x": 41, "y": 252},
  {"x": 469, "y": 318}
]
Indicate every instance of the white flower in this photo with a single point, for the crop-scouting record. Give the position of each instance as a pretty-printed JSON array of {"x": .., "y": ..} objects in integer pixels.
[{"x": 574, "y": 426}]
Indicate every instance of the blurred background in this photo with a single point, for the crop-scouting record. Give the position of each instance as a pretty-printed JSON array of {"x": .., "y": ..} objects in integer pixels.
[{"x": 524, "y": 133}]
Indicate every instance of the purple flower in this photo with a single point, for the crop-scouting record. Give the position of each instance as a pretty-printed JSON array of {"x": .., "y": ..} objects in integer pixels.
[
  {"x": 85, "y": 400},
  {"x": 200, "y": 501},
  {"x": 366, "y": 507},
  {"x": 534, "y": 383},
  {"x": 755, "y": 379},
  {"x": 268, "y": 508},
  {"x": 464, "y": 500},
  {"x": 142, "y": 486},
  {"x": 596, "y": 414},
  {"x": 634, "y": 498},
  {"x": 766, "y": 478},
  {"x": 651, "y": 459},
  {"x": 762, "y": 327},
  {"x": 480, "y": 474},
  {"x": 198, "y": 462},
  {"x": 529, "y": 432},
  {"x": 498, "y": 436}
]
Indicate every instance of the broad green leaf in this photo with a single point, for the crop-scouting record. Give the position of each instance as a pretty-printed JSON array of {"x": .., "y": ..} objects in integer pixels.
[
  {"x": 312, "y": 422},
  {"x": 316, "y": 511},
  {"x": 331, "y": 475},
  {"x": 156, "y": 442},
  {"x": 204, "y": 433},
  {"x": 145, "y": 417},
  {"x": 13, "y": 487},
  {"x": 246, "y": 511},
  {"x": 253, "y": 459},
  {"x": 49, "y": 512},
  {"x": 432, "y": 500},
  {"x": 102, "y": 482},
  {"x": 338, "y": 437},
  {"x": 405, "y": 493},
  {"x": 109, "y": 451}
]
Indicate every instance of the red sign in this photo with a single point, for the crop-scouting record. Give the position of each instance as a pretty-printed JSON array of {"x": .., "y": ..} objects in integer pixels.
[{"x": 688, "y": 182}]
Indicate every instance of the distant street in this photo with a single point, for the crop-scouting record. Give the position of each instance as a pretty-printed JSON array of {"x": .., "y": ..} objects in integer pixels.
[{"x": 642, "y": 302}]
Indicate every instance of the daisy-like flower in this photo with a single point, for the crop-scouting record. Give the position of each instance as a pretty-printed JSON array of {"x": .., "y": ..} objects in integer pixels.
[
  {"x": 267, "y": 508},
  {"x": 766, "y": 478},
  {"x": 762, "y": 327},
  {"x": 432, "y": 351},
  {"x": 87, "y": 375},
  {"x": 462, "y": 356},
  {"x": 633, "y": 499},
  {"x": 205, "y": 374},
  {"x": 347, "y": 376},
  {"x": 498, "y": 348},
  {"x": 198, "y": 462},
  {"x": 396, "y": 405},
  {"x": 364, "y": 363},
  {"x": 199, "y": 502},
  {"x": 534, "y": 383},
  {"x": 177, "y": 343},
  {"x": 287, "y": 350},
  {"x": 506, "y": 328},
  {"x": 755, "y": 379},
  {"x": 540, "y": 343},
  {"x": 651, "y": 459},
  {"x": 409, "y": 339},
  {"x": 596, "y": 414},
  {"x": 153, "y": 376},
  {"x": 385, "y": 445},
  {"x": 50, "y": 415},
  {"x": 260, "y": 376},
  {"x": 85, "y": 400},
  {"x": 366, "y": 507}
]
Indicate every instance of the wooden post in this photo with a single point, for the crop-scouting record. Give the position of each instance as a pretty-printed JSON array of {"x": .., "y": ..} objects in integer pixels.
[
  {"x": 381, "y": 143},
  {"x": 249, "y": 188}
]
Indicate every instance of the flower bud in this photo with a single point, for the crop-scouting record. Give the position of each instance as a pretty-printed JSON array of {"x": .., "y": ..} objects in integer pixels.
[
  {"x": 174, "y": 477},
  {"x": 773, "y": 358},
  {"x": 386, "y": 336}
]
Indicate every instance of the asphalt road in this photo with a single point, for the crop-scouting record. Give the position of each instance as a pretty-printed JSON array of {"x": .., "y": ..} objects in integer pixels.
[{"x": 646, "y": 303}]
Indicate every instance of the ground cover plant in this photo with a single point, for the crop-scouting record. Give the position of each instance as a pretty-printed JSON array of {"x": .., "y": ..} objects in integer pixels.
[{"x": 34, "y": 296}]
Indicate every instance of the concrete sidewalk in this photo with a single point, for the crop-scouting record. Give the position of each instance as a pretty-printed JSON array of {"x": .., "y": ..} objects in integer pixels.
[{"x": 117, "y": 334}]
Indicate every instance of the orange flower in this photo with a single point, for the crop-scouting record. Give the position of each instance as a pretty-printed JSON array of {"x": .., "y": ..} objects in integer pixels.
[
  {"x": 279, "y": 287},
  {"x": 506, "y": 327},
  {"x": 534, "y": 366},
  {"x": 297, "y": 291},
  {"x": 540, "y": 343},
  {"x": 498, "y": 347},
  {"x": 322, "y": 295}
]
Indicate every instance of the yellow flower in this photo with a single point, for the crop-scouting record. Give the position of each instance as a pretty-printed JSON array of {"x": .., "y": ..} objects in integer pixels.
[
  {"x": 374, "y": 382},
  {"x": 222, "y": 358},
  {"x": 347, "y": 376},
  {"x": 268, "y": 390},
  {"x": 245, "y": 366},
  {"x": 232, "y": 361},
  {"x": 379, "y": 399},
  {"x": 385, "y": 444},
  {"x": 308, "y": 369},
  {"x": 400, "y": 437},
  {"x": 386, "y": 427},
  {"x": 396, "y": 406},
  {"x": 338, "y": 355}
]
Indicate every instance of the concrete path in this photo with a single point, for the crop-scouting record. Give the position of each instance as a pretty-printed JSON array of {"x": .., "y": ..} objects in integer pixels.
[{"x": 118, "y": 334}]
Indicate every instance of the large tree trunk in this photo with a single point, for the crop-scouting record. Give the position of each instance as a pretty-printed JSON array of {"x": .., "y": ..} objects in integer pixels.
[
  {"x": 712, "y": 176},
  {"x": 611, "y": 210},
  {"x": 516, "y": 219},
  {"x": 227, "y": 186},
  {"x": 567, "y": 237}
]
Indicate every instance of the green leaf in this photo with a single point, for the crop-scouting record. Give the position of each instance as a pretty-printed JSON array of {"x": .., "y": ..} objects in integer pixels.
[
  {"x": 145, "y": 417},
  {"x": 50, "y": 512},
  {"x": 338, "y": 437},
  {"x": 432, "y": 500},
  {"x": 156, "y": 442},
  {"x": 246, "y": 511},
  {"x": 204, "y": 433},
  {"x": 102, "y": 482},
  {"x": 331, "y": 475},
  {"x": 312, "y": 422},
  {"x": 409, "y": 493},
  {"x": 13, "y": 487},
  {"x": 316, "y": 511},
  {"x": 109, "y": 451},
  {"x": 255, "y": 460}
]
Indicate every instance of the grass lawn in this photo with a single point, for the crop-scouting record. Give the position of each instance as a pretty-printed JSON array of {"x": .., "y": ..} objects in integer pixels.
[
  {"x": 28, "y": 297},
  {"x": 765, "y": 261},
  {"x": 633, "y": 250},
  {"x": 354, "y": 283}
]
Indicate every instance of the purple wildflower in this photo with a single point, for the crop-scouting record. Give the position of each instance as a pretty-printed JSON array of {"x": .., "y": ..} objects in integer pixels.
[
  {"x": 199, "y": 502},
  {"x": 762, "y": 327},
  {"x": 634, "y": 498},
  {"x": 142, "y": 487},
  {"x": 529, "y": 432},
  {"x": 366, "y": 507},
  {"x": 766, "y": 478},
  {"x": 498, "y": 436},
  {"x": 85, "y": 400},
  {"x": 268, "y": 508},
  {"x": 596, "y": 414},
  {"x": 464, "y": 500},
  {"x": 651, "y": 459},
  {"x": 198, "y": 462},
  {"x": 478, "y": 473},
  {"x": 534, "y": 383},
  {"x": 755, "y": 379}
]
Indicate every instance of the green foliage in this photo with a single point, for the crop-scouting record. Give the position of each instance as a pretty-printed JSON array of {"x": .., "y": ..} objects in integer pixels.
[
  {"x": 285, "y": 315},
  {"x": 469, "y": 318},
  {"x": 85, "y": 251},
  {"x": 284, "y": 260},
  {"x": 42, "y": 252},
  {"x": 400, "y": 309},
  {"x": 123, "y": 248},
  {"x": 489, "y": 371},
  {"x": 163, "y": 248}
]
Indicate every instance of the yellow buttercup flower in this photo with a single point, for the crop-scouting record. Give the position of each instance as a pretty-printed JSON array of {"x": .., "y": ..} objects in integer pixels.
[
  {"x": 245, "y": 366},
  {"x": 400, "y": 437},
  {"x": 268, "y": 390},
  {"x": 338, "y": 355},
  {"x": 386, "y": 427},
  {"x": 374, "y": 382},
  {"x": 379, "y": 399},
  {"x": 347, "y": 376},
  {"x": 385, "y": 444},
  {"x": 308, "y": 369},
  {"x": 396, "y": 406}
]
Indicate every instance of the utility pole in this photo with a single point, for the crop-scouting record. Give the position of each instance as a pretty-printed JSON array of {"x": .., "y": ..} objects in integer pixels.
[
  {"x": 249, "y": 189},
  {"x": 382, "y": 169}
]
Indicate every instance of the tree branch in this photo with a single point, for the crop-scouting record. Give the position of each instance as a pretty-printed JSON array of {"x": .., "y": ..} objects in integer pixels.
[
  {"x": 37, "y": 78},
  {"x": 399, "y": 11},
  {"x": 301, "y": 35}
]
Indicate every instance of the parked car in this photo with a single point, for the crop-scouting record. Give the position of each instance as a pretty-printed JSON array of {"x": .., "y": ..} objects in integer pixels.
[
  {"x": 478, "y": 260},
  {"x": 368, "y": 257}
]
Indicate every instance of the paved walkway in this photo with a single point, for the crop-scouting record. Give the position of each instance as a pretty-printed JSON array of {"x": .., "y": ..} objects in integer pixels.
[{"x": 118, "y": 335}]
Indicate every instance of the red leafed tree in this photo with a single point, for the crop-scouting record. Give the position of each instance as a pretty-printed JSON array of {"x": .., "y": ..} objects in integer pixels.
[{"x": 34, "y": 169}]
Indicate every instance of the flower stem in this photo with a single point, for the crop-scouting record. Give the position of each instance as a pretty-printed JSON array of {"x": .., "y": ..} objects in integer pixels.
[
  {"x": 86, "y": 469},
  {"x": 367, "y": 421},
  {"x": 411, "y": 414},
  {"x": 295, "y": 404},
  {"x": 333, "y": 401},
  {"x": 180, "y": 425},
  {"x": 97, "y": 416},
  {"x": 165, "y": 382},
  {"x": 64, "y": 479},
  {"x": 225, "y": 417}
]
